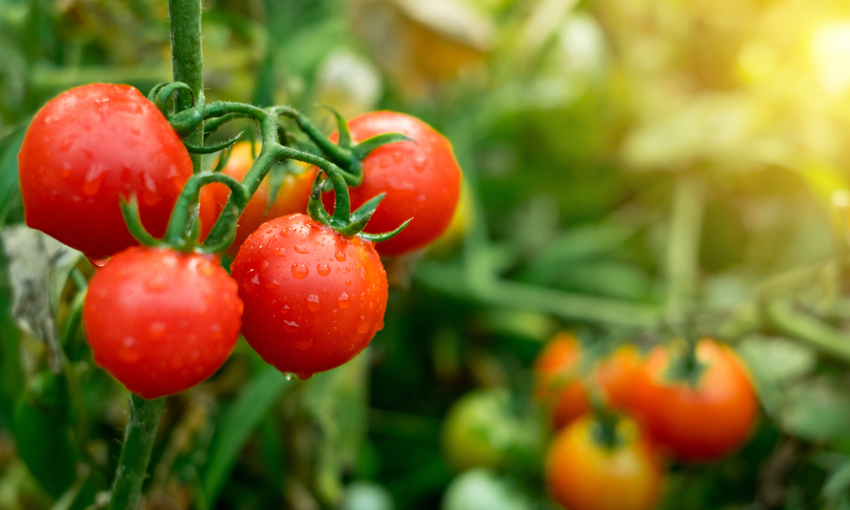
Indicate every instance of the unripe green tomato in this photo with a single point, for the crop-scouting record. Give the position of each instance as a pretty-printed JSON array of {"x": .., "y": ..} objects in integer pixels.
[
  {"x": 481, "y": 430},
  {"x": 482, "y": 489}
]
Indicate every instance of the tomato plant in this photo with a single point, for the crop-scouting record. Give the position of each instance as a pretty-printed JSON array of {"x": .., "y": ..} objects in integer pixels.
[
  {"x": 161, "y": 321},
  {"x": 290, "y": 198},
  {"x": 313, "y": 297},
  {"x": 420, "y": 177},
  {"x": 587, "y": 471},
  {"x": 87, "y": 148},
  {"x": 560, "y": 386},
  {"x": 700, "y": 419}
]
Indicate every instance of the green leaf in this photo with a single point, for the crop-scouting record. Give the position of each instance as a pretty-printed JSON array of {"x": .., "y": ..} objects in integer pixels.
[
  {"x": 817, "y": 410},
  {"x": 9, "y": 182},
  {"x": 236, "y": 425}
]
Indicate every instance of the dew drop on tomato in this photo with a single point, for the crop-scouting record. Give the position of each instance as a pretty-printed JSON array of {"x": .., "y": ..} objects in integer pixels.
[
  {"x": 343, "y": 300},
  {"x": 300, "y": 271},
  {"x": 323, "y": 269}
]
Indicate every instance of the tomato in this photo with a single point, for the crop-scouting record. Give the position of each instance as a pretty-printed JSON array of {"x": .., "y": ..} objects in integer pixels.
[
  {"x": 615, "y": 376},
  {"x": 313, "y": 298},
  {"x": 161, "y": 321},
  {"x": 583, "y": 473},
  {"x": 482, "y": 429},
  {"x": 697, "y": 422},
  {"x": 421, "y": 179},
  {"x": 559, "y": 384},
  {"x": 291, "y": 198},
  {"x": 88, "y": 147}
]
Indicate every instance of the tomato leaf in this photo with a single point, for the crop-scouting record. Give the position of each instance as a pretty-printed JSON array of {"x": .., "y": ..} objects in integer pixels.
[
  {"x": 9, "y": 183},
  {"x": 236, "y": 425}
]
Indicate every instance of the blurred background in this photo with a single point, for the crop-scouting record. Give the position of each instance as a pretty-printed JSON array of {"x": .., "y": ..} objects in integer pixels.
[{"x": 629, "y": 166}]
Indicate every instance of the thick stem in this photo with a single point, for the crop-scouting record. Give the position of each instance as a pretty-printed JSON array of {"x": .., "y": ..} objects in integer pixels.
[
  {"x": 136, "y": 453},
  {"x": 187, "y": 61},
  {"x": 682, "y": 263}
]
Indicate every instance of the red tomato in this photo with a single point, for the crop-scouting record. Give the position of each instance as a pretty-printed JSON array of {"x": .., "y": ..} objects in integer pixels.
[
  {"x": 421, "y": 179},
  {"x": 559, "y": 384},
  {"x": 701, "y": 422},
  {"x": 584, "y": 474},
  {"x": 291, "y": 198},
  {"x": 615, "y": 376},
  {"x": 313, "y": 298},
  {"x": 161, "y": 321},
  {"x": 88, "y": 147}
]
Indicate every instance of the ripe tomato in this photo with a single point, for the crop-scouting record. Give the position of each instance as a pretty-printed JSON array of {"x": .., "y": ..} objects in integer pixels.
[
  {"x": 313, "y": 298},
  {"x": 291, "y": 198},
  {"x": 421, "y": 179},
  {"x": 161, "y": 321},
  {"x": 585, "y": 474},
  {"x": 701, "y": 422},
  {"x": 88, "y": 147},
  {"x": 559, "y": 384}
]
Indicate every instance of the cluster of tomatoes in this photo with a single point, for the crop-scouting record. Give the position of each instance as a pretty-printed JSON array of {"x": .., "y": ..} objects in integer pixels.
[
  {"x": 162, "y": 318},
  {"x": 695, "y": 406}
]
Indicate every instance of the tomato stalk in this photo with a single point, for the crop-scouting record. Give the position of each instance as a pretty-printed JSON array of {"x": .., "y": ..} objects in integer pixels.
[
  {"x": 136, "y": 452},
  {"x": 187, "y": 62},
  {"x": 604, "y": 427}
]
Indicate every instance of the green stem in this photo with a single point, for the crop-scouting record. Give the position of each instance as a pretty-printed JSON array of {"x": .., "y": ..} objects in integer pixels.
[
  {"x": 682, "y": 263},
  {"x": 136, "y": 453},
  {"x": 187, "y": 61}
]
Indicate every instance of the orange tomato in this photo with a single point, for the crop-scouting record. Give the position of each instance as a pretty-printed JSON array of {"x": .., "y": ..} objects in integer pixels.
[
  {"x": 702, "y": 421},
  {"x": 292, "y": 197},
  {"x": 559, "y": 385},
  {"x": 583, "y": 473}
]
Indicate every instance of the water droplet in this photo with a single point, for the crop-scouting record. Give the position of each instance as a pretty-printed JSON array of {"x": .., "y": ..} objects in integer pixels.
[
  {"x": 301, "y": 249},
  {"x": 217, "y": 334},
  {"x": 156, "y": 330},
  {"x": 340, "y": 256},
  {"x": 313, "y": 303},
  {"x": 304, "y": 375},
  {"x": 348, "y": 283},
  {"x": 419, "y": 162},
  {"x": 279, "y": 252},
  {"x": 65, "y": 145},
  {"x": 273, "y": 284},
  {"x": 288, "y": 375},
  {"x": 265, "y": 265},
  {"x": 303, "y": 343},
  {"x": 323, "y": 269},
  {"x": 362, "y": 273},
  {"x": 363, "y": 325},
  {"x": 149, "y": 194},
  {"x": 398, "y": 156},
  {"x": 290, "y": 326},
  {"x": 129, "y": 351},
  {"x": 93, "y": 179},
  {"x": 98, "y": 262},
  {"x": 300, "y": 271},
  {"x": 343, "y": 300},
  {"x": 156, "y": 283},
  {"x": 285, "y": 309}
]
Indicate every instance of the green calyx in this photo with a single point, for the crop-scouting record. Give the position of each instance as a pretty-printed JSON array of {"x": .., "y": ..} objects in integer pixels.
[
  {"x": 685, "y": 367},
  {"x": 339, "y": 168},
  {"x": 604, "y": 425},
  {"x": 345, "y": 153}
]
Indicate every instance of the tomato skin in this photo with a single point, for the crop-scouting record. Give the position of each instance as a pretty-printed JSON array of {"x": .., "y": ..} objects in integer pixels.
[
  {"x": 86, "y": 148},
  {"x": 292, "y": 197},
  {"x": 583, "y": 474},
  {"x": 313, "y": 298},
  {"x": 699, "y": 423},
  {"x": 161, "y": 321},
  {"x": 421, "y": 179},
  {"x": 559, "y": 384}
]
